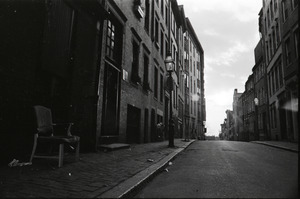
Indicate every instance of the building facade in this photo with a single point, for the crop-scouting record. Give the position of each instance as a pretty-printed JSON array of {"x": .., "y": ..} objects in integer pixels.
[
  {"x": 280, "y": 35},
  {"x": 262, "y": 131},
  {"x": 274, "y": 82},
  {"x": 99, "y": 64},
  {"x": 194, "y": 82},
  {"x": 237, "y": 121}
]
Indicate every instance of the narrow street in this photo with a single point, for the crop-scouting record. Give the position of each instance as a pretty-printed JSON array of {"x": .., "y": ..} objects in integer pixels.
[{"x": 227, "y": 170}]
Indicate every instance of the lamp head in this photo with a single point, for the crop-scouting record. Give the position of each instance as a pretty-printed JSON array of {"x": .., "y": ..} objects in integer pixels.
[
  {"x": 256, "y": 101},
  {"x": 169, "y": 62}
]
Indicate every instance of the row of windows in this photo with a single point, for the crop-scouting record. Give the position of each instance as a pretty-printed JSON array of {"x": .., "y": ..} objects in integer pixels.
[
  {"x": 275, "y": 77},
  {"x": 259, "y": 72},
  {"x": 285, "y": 7},
  {"x": 261, "y": 96},
  {"x": 248, "y": 106},
  {"x": 289, "y": 57},
  {"x": 272, "y": 42},
  {"x": 270, "y": 13}
]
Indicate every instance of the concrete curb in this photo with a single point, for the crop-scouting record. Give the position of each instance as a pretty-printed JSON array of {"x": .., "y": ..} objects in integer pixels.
[
  {"x": 276, "y": 146},
  {"x": 124, "y": 189}
]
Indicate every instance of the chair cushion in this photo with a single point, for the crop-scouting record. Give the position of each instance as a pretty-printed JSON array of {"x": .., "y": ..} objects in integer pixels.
[{"x": 59, "y": 139}]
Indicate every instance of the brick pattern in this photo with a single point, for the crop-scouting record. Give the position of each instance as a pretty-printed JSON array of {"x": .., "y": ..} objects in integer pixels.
[{"x": 94, "y": 174}]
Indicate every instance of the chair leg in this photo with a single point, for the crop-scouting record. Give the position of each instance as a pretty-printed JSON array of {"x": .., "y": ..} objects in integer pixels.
[
  {"x": 61, "y": 155},
  {"x": 77, "y": 151},
  {"x": 34, "y": 147}
]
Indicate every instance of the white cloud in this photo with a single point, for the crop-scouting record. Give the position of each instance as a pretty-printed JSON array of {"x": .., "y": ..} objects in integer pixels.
[
  {"x": 211, "y": 32},
  {"x": 230, "y": 75},
  {"x": 207, "y": 64},
  {"x": 229, "y": 56},
  {"x": 242, "y": 10},
  {"x": 220, "y": 98}
]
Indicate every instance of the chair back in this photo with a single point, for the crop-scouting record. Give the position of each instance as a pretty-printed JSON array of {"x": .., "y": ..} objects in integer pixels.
[{"x": 43, "y": 120}]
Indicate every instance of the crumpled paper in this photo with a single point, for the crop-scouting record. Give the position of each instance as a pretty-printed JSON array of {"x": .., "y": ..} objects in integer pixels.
[{"x": 15, "y": 163}]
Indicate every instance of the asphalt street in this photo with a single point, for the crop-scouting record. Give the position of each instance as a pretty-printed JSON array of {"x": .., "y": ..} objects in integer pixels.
[{"x": 227, "y": 169}]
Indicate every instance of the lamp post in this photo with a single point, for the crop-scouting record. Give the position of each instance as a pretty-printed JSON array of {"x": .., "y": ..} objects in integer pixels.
[
  {"x": 169, "y": 62},
  {"x": 256, "y": 135}
]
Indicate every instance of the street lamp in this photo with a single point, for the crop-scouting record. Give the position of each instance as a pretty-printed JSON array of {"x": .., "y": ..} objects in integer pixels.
[
  {"x": 170, "y": 66},
  {"x": 256, "y": 120}
]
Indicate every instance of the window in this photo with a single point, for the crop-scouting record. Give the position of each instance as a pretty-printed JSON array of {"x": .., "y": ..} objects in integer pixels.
[
  {"x": 268, "y": 17},
  {"x": 287, "y": 51},
  {"x": 187, "y": 81},
  {"x": 271, "y": 7},
  {"x": 162, "y": 8},
  {"x": 277, "y": 77},
  {"x": 162, "y": 40},
  {"x": 166, "y": 47},
  {"x": 135, "y": 63},
  {"x": 167, "y": 18},
  {"x": 275, "y": 116},
  {"x": 295, "y": 3},
  {"x": 270, "y": 84},
  {"x": 277, "y": 34},
  {"x": 280, "y": 73},
  {"x": 146, "y": 72},
  {"x": 156, "y": 31},
  {"x": 284, "y": 10},
  {"x": 161, "y": 87},
  {"x": 273, "y": 81},
  {"x": 176, "y": 97},
  {"x": 274, "y": 40},
  {"x": 147, "y": 18},
  {"x": 296, "y": 40},
  {"x": 155, "y": 82},
  {"x": 113, "y": 49},
  {"x": 194, "y": 51},
  {"x": 191, "y": 63},
  {"x": 271, "y": 49},
  {"x": 110, "y": 39},
  {"x": 265, "y": 26}
]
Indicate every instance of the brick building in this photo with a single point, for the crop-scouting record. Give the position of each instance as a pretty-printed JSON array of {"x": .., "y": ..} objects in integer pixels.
[
  {"x": 275, "y": 76},
  {"x": 97, "y": 63},
  {"x": 194, "y": 82},
  {"x": 262, "y": 131},
  {"x": 237, "y": 121},
  {"x": 280, "y": 32}
]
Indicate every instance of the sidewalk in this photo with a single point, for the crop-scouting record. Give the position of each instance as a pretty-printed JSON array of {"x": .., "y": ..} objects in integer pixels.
[
  {"x": 290, "y": 146},
  {"x": 103, "y": 174}
]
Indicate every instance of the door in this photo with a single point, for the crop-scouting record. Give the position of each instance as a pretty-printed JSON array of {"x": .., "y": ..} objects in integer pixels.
[
  {"x": 153, "y": 126},
  {"x": 146, "y": 126},
  {"x": 110, "y": 123},
  {"x": 133, "y": 124}
]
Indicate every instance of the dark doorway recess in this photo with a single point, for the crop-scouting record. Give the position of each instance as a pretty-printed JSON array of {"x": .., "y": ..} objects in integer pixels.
[
  {"x": 133, "y": 124},
  {"x": 110, "y": 127}
]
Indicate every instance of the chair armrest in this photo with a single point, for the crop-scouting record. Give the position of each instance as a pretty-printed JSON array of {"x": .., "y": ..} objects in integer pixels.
[{"x": 69, "y": 127}]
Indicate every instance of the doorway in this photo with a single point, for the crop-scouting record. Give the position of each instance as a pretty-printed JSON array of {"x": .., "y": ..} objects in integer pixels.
[
  {"x": 110, "y": 122},
  {"x": 133, "y": 124}
]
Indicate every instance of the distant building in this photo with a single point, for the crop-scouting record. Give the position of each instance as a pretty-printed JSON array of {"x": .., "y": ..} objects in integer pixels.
[
  {"x": 235, "y": 110},
  {"x": 262, "y": 131}
]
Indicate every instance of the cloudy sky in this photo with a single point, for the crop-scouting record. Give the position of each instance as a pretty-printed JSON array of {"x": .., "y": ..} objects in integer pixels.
[{"x": 228, "y": 33}]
